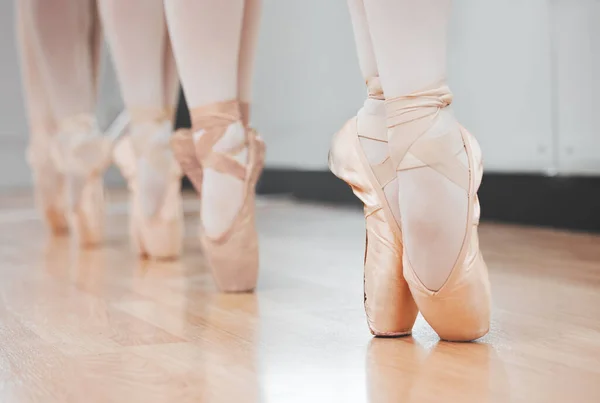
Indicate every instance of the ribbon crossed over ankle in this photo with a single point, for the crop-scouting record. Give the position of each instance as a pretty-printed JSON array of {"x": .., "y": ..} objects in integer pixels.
[
  {"x": 374, "y": 88},
  {"x": 144, "y": 144},
  {"x": 409, "y": 118},
  {"x": 384, "y": 171},
  {"x": 79, "y": 149},
  {"x": 196, "y": 154},
  {"x": 214, "y": 120},
  {"x": 144, "y": 115}
]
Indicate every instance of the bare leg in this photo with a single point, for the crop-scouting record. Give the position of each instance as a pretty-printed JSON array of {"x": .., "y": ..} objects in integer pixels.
[
  {"x": 206, "y": 43},
  {"x": 409, "y": 40},
  {"x": 249, "y": 41}
]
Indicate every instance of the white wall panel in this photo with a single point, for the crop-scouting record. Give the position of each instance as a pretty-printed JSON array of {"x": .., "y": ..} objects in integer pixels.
[
  {"x": 500, "y": 72},
  {"x": 307, "y": 81},
  {"x": 576, "y": 36}
]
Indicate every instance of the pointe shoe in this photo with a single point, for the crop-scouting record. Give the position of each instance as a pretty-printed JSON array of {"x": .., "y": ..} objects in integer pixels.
[
  {"x": 48, "y": 184},
  {"x": 232, "y": 256},
  {"x": 155, "y": 214},
  {"x": 82, "y": 155},
  {"x": 390, "y": 308},
  {"x": 459, "y": 310}
]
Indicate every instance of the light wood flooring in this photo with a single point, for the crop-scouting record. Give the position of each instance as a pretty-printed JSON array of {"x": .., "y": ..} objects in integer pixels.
[{"x": 101, "y": 326}]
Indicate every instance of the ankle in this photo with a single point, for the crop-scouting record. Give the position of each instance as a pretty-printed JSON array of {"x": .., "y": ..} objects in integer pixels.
[
  {"x": 42, "y": 129},
  {"x": 372, "y": 114},
  {"x": 371, "y": 124},
  {"x": 79, "y": 125},
  {"x": 217, "y": 127},
  {"x": 215, "y": 115},
  {"x": 151, "y": 132},
  {"x": 245, "y": 112},
  {"x": 148, "y": 115}
]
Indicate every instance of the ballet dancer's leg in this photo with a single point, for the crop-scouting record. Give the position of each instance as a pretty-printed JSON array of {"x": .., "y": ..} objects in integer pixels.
[
  {"x": 376, "y": 151},
  {"x": 224, "y": 168},
  {"x": 137, "y": 36},
  {"x": 137, "y": 40},
  {"x": 39, "y": 108},
  {"x": 170, "y": 76},
  {"x": 206, "y": 43},
  {"x": 249, "y": 41},
  {"x": 62, "y": 36},
  {"x": 48, "y": 181},
  {"x": 437, "y": 164},
  {"x": 64, "y": 31},
  {"x": 96, "y": 44},
  {"x": 362, "y": 39},
  {"x": 409, "y": 40}
]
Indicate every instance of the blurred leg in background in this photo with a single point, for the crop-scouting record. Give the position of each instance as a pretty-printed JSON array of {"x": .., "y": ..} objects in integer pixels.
[
  {"x": 249, "y": 41},
  {"x": 96, "y": 41},
  {"x": 170, "y": 76},
  {"x": 139, "y": 44},
  {"x": 390, "y": 309},
  {"x": 438, "y": 167},
  {"x": 48, "y": 181},
  {"x": 221, "y": 156},
  {"x": 63, "y": 37}
]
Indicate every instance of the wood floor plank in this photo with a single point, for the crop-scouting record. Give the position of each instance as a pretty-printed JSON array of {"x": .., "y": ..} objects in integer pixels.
[{"x": 102, "y": 326}]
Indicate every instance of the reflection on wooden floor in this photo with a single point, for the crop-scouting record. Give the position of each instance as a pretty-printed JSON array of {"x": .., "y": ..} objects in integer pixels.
[{"x": 101, "y": 326}]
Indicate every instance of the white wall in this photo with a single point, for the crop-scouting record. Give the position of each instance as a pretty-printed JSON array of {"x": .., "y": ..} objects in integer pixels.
[
  {"x": 576, "y": 33},
  {"x": 523, "y": 73},
  {"x": 307, "y": 82},
  {"x": 500, "y": 71},
  {"x": 13, "y": 169}
]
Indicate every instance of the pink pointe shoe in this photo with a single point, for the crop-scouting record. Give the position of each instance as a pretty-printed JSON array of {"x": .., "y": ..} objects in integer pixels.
[
  {"x": 423, "y": 135},
  {"x": 233, "y": 255},
  {"x": 390, "y": 308},
  {"x": 82, "y": 155},
  {"x": 49, "y": 184},
  {"x": 154, "y": 180}
]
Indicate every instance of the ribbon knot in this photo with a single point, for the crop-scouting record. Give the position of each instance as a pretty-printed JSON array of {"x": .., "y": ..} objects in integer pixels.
[
  {"x": 417, "y": 105},
  {"x": 213, "y": 119},
  {"x": 374, "y": 88}
]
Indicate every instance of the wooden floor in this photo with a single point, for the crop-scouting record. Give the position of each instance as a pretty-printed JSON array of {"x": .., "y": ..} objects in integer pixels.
[{"x": 101, "y": 326}]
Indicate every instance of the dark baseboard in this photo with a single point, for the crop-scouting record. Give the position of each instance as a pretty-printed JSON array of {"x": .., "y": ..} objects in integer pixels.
[{"x": 559, "y": 202}]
